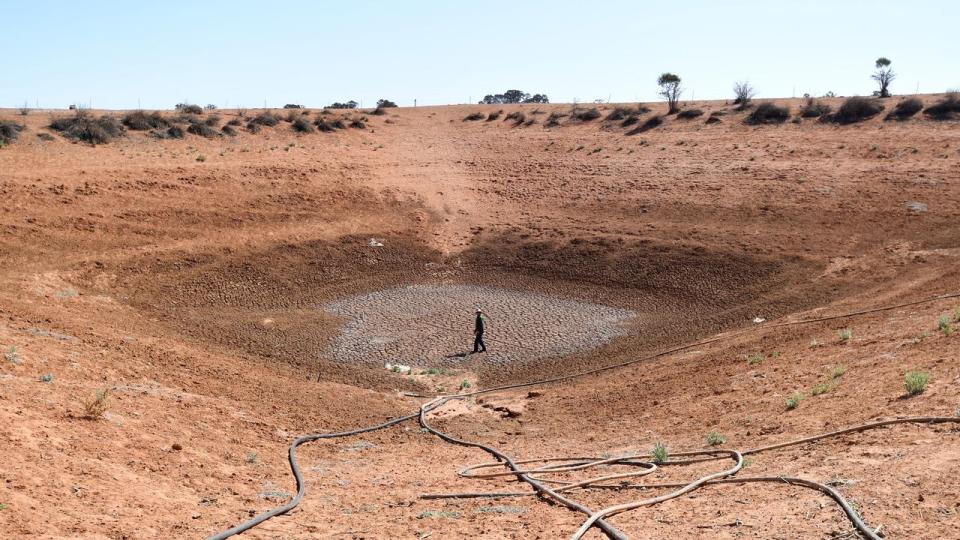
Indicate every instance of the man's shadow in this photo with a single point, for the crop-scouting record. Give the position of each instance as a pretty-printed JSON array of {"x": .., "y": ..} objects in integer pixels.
[{"x": 458, "y": 355}]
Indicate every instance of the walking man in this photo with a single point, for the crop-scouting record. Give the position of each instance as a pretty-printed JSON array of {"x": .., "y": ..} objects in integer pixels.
[{"x": 478, "y": 328}]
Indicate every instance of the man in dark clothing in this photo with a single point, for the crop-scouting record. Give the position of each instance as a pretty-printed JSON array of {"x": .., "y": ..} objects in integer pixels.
[{"x": 478, "y": 328}]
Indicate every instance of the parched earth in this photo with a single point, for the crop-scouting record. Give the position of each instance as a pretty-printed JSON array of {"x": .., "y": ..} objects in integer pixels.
[
  {"x": 431, "y": 326},
  {"x": 226, "y": 295}
]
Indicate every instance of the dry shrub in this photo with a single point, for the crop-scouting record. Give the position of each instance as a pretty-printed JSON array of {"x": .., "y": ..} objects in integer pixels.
[
  {"x": 554, "y": 119},
  {"x": 689, "y": 114},
  {"x": 947, "y": 108},
  {"x": 142, "y": 121},
  {"x": 473, "y": 117},
  {"x": 814, "y": 108},
  {"x": 652, "y": 122},
  {"x": 83, "y": 126},
  {"x": 855, "y": 109},
  {"x": 494, "y": 115},
  {"x": 302, "y": 125},
  {"x": 584, "y": 115},
  {"x": 202, "y": 129},
  {"x": 768, "y": 113},
  {"x": 94, "y": 408},
  {"x": 9, "y": 131},
  {"x": 516, "y": 117},
  {"x": 905, "y": 109}
]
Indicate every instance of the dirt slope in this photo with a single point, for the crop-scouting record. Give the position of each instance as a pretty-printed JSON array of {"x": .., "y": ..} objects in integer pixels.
[{"x": 190, "y": 287}]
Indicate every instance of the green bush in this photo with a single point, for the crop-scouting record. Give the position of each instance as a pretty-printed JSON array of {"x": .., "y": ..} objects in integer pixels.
[
  {"x": 916, "y": 382},
  {"x": 794, "y": 400},
  {"x": 651, "y": 123},
  {"x": 659, "y": 453}
]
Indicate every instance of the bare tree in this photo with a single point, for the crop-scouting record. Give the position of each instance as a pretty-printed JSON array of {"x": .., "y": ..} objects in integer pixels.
[
  {"x": 743, "y": 93},
  {"x": 670, "y": 89},
  {"x": 884, "y": 76}
]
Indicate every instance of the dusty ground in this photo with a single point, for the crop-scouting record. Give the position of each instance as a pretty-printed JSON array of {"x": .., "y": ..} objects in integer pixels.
[{"x": 192, "y": 288}]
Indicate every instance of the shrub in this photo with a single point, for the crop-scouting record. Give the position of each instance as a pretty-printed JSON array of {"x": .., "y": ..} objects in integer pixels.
[
  {"x": 43, "y": 136},
  {"x": 253, "y": 127},
  {"x": 814, "y": 109},
  {"x": 265, "y": 119},
  {"x": 494, "y": 115},
  {"x": 234, "y": 122},
  {"x": 916, "y": 382},
  {"x": 838, "y": 372},
  {"x": 743, "y": 92},
  {"x": 947, "y": 108},
  {"x": 95, "y": 408},
  {"x": 584, "y": 115},
  {"x": 84, "y": 127},
  {"x": 201, "y": 158},
  {"x": 229, "y": 131},
  {"x": 768, "y": 113},
  {"x": 202, "y": 129},
  {"x": 338, "y": 124},
  {"x": 473, "y": 117},
  {"x": 713, "y": 120},
  {"x": 943, "y": 325},
  {"x": 516, "y": 117},
  {"x": 322, "y": 125},
  {"x": 292, "y": 115},
  {"x": 292, "y": 106},
  {"x": 141, "y": 121},
  {"x": 302, "y": 125},
  {"x": 9, "y": 131},
  {"x": 794, "y": 400},
  {"x": 189, "y": 108},
  {"x": 175, "y": 132},
  {"x": 659, "y": 453},
  {"x": 620, "y": 113},
  {"x": 715, "y": 439},
  {"x": 688, "y": 114},
  {"x": 554, "y": 119},
  {"x": 212, "y": 120},
  {"x": 905, "y": 109},
  {"x": 820, "y": 388},
  {"x": 856, "y": 109},
  {"x": 358, "y": 123},
  {"x": 651, "y": 123},
  {"x": 844, "y": 335}
]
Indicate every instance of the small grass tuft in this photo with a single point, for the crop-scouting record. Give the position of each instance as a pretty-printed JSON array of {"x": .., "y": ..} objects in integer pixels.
[
  {"x": 465, "y": 384},
  {"x": 96, "y": 407},
  {"x": 12, "y": 355},
  {"x": 659, "y": 452},
  {"x": 821, "y": 388},
  {"x": 943, "y": 325},
  {"x": 916, "y": 382},
  {"x": 844, "y": 335},
  {"x": 838, "y": 372},
  {"x": 715, "y": 439},
  {"x": 46, "y": 378},
  {"x": 755, "y": 358},
  {"x": 793, "y": 401}
]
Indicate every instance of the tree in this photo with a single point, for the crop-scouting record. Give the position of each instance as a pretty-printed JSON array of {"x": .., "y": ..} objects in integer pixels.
[
  {"x": 884, "y": 76},
  {"x": 537, "y": 98},
  {"x": 670, "y": 89},
  {"x": 743, "y": 93},
  {"x": 384, "y": 103}
]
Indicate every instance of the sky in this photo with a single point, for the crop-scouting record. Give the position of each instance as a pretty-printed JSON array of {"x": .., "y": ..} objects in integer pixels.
[{"x": 130, "y": 54}]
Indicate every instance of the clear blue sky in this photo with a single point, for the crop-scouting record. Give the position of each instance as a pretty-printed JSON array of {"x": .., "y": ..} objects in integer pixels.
[{"x": 241, "y": 52}]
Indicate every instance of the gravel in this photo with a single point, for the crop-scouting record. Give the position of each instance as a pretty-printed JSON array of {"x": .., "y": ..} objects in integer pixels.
[{"x": 432, "y": 326}]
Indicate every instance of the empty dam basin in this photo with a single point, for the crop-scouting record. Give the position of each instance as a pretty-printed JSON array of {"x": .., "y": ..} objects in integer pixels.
[{"x": 432, "y": 325}]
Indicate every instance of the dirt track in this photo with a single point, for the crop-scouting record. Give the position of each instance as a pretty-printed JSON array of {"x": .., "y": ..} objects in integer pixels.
[{"x": 192, "y": 287}]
